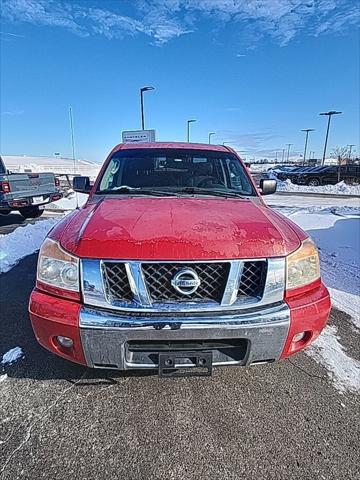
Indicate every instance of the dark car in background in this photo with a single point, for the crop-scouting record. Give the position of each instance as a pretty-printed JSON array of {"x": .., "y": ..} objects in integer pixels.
[{"x": 321, "y": 175}]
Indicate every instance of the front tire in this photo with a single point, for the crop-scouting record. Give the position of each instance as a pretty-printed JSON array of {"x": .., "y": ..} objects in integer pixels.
[
  {"x": 313, "y": 182},
  {"x": 31, "y": 212}
]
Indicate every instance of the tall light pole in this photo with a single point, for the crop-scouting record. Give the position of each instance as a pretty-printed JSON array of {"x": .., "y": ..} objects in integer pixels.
[
  {"x": 188, "y": 128},
  {"x": 210, "y": 135},
  {"x": 72, "y": 137},
  {"x": 142, "y": 90},
  {"x": 329, "y": 115},
  {"x": 73, "y": 149},
  {"x": 350, "y": 150},
  {"x": 288, "y": 151},
  {"x": 307, "y": 130},
  {"x": 283, "y": 154}
]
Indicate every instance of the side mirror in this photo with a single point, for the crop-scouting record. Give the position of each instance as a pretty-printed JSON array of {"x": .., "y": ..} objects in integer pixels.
[
  {"x": 81, "y": 184},
  {"x": 267, "y": 187}
]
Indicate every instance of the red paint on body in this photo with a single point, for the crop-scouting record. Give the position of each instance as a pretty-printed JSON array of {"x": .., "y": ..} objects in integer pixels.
[{"x": 174, "y": 228}]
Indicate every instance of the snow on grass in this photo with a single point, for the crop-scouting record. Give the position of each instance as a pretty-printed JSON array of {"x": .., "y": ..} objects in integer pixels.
[
  {"x": 3, "y": 378},
  {"x": 12, "y": 356},
  {"x": 337, "y": 235},
  {"x": 339, "y": 189},
  {"x": 22, "y": 242},
  {"x": 336, "y": 231},
  {"x": 343, "y": 370}
]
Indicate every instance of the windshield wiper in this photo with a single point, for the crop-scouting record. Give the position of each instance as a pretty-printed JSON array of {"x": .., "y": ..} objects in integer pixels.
[
  {"x": 210, "y": 191},
  {"x": 135, "y": 191}
]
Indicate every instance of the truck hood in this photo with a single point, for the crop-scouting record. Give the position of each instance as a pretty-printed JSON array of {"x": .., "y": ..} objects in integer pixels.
[{"x": 177, "y": 229}]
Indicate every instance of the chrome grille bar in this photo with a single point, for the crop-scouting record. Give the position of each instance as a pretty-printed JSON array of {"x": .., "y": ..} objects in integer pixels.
[{"x": 94, "y": 291}]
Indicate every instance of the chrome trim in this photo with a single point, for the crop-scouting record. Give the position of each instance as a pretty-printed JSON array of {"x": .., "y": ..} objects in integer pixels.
[
  {"x": 233, "y": 282},
  {"x": 94, "y": 292},
  {"x": 104, "y": 335},
  {"x": 137, "y": 283}
]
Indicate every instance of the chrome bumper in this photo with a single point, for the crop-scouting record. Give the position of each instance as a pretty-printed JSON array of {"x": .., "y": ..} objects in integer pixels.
[{"x": 105, "y": 335}]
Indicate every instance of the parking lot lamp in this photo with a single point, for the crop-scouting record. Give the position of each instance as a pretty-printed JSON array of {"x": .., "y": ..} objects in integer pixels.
[
  {"x": 329, "y": 115},
  {"x": 188, "y": 129},
  {"x": 210, "y": 135},
  {"x": 307, "y": 130},
  {"x": 288, "y": 151},
  {"x": 142, "y": 90},
  {"x": 350, "y": 150}
]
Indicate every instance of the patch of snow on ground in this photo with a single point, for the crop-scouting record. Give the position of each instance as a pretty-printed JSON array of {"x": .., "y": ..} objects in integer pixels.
[
  {"x": 337, "y": 235},
  {"x": 22, "y": 242},
  {"x": 12, "y": 356},
  {"x": 71, "y": 202},
  {"x": 342, "y": 369},
  {"x": 3, "y": 377},
  {"x": 339, "y": 189}
]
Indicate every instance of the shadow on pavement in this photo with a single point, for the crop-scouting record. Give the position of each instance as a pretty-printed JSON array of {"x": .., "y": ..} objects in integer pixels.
[{"x": 16, "y": 331}]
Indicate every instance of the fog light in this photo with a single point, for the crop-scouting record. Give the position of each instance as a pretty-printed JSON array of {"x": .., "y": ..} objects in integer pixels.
[
  {"x": 65, "y": 341},
  {"x": 299, "y": 336}
]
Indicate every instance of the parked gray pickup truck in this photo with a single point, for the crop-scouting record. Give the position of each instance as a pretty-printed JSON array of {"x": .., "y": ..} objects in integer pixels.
[{"x": 27, "y": 192}]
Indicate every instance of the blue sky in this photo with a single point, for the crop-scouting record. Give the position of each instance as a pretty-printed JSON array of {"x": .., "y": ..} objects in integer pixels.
[{"x": 255, "y": 72}]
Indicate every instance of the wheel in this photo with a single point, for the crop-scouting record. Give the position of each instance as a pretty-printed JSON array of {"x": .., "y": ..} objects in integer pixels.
[
  {"x": 313, "y": 182},
  {"x": 31, "y": 212}
]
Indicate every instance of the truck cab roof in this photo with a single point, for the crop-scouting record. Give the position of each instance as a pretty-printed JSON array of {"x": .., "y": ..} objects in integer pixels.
[{"x": 172, "y": 145}]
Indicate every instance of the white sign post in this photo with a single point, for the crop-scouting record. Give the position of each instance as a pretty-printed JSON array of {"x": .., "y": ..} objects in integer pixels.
[{"x": 138, "y": 136}]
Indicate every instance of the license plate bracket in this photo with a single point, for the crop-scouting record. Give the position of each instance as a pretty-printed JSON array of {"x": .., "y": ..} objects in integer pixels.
[
  {"x": 37, "y": 200},
  {"x": 185, "y": 364}
]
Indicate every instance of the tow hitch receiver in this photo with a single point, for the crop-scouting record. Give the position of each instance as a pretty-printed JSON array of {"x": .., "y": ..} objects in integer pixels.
[{"x": 185, "y": 364}]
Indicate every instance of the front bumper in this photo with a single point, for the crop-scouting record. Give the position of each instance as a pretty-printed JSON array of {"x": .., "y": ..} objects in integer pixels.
[
  {"x": 107, "y": 338},
  {"x": 104, "y": 339}
]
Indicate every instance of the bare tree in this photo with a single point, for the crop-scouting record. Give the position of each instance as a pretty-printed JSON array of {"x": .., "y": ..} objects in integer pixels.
[{"x": 341, "y": 153}]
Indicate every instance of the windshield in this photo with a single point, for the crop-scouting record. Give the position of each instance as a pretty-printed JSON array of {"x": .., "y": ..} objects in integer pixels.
[{"x": 184, "y": 171}]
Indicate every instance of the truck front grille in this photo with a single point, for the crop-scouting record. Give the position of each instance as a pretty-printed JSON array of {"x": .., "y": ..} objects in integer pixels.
[
  {"x": 116, "y": 282},
  {"x": 213, "y": 277},
  {"x": 253, "y": 279},
  {"x": 158, "y": 276}
]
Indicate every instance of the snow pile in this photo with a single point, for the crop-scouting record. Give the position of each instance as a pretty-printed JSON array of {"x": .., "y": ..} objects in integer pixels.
[
  {"x": 72, "y": 201},
  {"x": 337, "y": 235},
  {"x": 336, "y": 231},
  {"x": 22, "y": 242},
  {"x": 339, "y": 189},
  {"x": 12, "y": 356},
  {"x": 342, "y": 369},
  {"x": 3, "y": 378}
]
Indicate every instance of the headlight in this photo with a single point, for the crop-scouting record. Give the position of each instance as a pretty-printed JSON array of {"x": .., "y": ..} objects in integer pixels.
[
  {"x": 302, "y": 266},
  {"x": 57, "y": 267}
]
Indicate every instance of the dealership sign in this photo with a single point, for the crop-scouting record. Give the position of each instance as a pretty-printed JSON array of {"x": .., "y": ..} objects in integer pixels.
[{"x": 138, "y": 136}]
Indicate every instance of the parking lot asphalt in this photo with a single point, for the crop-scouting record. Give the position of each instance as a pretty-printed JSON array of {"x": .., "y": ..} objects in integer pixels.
[{"x": 59, "y": 420}]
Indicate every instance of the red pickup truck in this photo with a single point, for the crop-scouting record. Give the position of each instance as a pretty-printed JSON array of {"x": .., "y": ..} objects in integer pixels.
[{"x": 176, "y": 263}]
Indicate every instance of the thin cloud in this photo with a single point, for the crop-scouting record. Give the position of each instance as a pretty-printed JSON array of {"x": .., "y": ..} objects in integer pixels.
[
  {"x": 163, "y": 20},
  {"x": 9, "y": 34},
  {"x": 10, "y": 113},
  {"x": 251, "y": 142}
]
